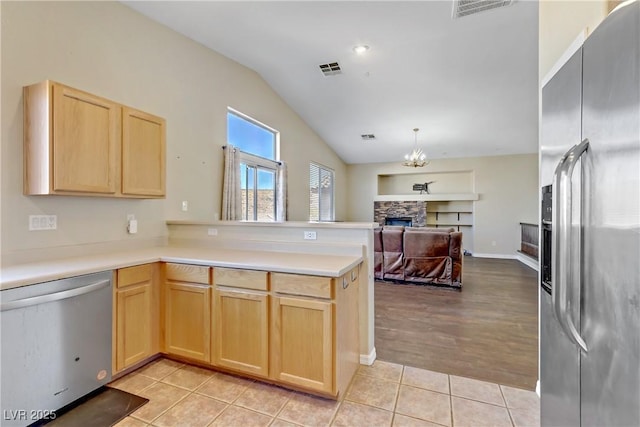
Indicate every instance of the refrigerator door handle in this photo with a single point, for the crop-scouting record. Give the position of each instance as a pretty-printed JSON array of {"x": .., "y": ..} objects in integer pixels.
[{"x": 562, "y": 230}]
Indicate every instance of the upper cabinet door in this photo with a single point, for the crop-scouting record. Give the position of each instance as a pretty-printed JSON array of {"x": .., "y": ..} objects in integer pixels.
[
  {"x": 143, "y": 154},
  {"x": 85, "y": 141},
  {"x": 78, "y": 144}
]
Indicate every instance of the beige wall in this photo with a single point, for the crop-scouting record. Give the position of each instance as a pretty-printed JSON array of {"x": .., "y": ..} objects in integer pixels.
[
  {"x": 561, "y": 21},
  {"x": 507, "y": 187},
  {"x": 110, "y": 50}
]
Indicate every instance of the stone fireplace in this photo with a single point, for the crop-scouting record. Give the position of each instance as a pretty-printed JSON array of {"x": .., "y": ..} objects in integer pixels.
[{"x": 416, "y": 210}]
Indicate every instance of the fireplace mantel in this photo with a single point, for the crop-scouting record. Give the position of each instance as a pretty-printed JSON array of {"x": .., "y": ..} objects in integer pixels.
[{"x": 425, "y": 197}]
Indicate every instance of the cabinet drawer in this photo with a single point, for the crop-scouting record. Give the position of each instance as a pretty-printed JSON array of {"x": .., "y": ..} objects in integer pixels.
[
  {"x": 187, "y": 273},
  {"x": 133, "y": 275},
  {"x": 298, "y": 284},
  {"x": 247, "y": 279}
]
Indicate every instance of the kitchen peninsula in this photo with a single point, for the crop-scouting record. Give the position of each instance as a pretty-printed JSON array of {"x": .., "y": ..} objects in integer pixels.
[{"x": 236, "y": 279}]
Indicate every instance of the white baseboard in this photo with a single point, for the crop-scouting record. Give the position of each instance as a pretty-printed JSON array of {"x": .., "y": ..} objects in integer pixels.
[
  {"x": 527, "y": 261},
  {"x": 522, "y": 258},
  {"x": 499, "y": 256},
  {"x": 368, "y": 359}
]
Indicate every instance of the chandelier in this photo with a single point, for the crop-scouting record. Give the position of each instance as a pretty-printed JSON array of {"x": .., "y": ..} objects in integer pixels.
[{"x": 417, "y": 158}]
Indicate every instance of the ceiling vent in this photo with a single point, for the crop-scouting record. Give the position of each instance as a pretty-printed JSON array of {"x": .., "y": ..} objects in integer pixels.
[
  {"x": 330, "y": 69},
  {"x": 367, "y": 136},
  {"x": 470, "y": 7}
]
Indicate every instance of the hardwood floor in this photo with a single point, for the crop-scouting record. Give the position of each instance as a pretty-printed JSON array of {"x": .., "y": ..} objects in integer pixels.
[{"x": 488, "y": 331}]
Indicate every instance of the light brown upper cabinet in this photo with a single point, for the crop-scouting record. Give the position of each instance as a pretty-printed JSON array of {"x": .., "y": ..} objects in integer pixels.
[
  {"x": 76, "y": 143},
  {"x": 143, "y": 153}
]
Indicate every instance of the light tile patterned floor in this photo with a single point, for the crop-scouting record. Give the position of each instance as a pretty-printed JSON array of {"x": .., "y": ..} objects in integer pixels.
[{"x": 384, "y": 394}]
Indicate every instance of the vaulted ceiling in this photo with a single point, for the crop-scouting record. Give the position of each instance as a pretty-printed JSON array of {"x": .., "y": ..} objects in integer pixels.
[{"x": 470, "y": 83}]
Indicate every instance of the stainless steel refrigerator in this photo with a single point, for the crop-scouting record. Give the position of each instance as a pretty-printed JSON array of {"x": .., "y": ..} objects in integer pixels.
[{"x": 590, "y": 231}]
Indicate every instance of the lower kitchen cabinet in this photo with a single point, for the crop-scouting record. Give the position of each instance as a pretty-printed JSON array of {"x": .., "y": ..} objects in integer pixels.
[
  {"x": 314, "y": 331},
  {"x": 295, "y": 330},
  {"x": 302, "y": 338},
  {"x": 241, "y": 320},
  {"x": 135, "y": 315},
  {"x": 241, "y": 325},
  {"x": 187, "y": 311}
]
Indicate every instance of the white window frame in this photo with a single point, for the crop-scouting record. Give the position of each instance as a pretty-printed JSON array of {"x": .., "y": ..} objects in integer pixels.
[
  {"x": 257, "y": 162},
  {"x": 258, "y": 123},
  {"x": 333, "y": 190}
]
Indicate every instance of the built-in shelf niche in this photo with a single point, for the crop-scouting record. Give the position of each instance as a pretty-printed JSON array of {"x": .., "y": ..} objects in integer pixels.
[
  {"x": 453, "y": 213},
  {"x": 449, "y": 202},
  {"x": 458, "y": 182}
]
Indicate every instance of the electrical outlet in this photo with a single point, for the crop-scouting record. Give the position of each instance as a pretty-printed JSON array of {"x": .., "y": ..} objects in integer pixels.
[
  {"x": 212, "y": 232},
  {"x": 132, "y": 226},
  {"x": 493, "y": 243},
  {"x": 310, "y": 235},
  {"x": 185, "y": 206}
]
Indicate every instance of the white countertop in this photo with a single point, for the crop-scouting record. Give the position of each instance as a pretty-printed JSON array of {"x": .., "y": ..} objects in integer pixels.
[{"x": 299, "y": 263}]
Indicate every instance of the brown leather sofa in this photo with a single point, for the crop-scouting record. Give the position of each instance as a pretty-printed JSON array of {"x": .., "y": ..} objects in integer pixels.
[{"x": 418, "y": 255}]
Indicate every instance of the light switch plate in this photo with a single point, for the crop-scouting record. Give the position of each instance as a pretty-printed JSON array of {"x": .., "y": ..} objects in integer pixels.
[{"x": 43, "y": 222}]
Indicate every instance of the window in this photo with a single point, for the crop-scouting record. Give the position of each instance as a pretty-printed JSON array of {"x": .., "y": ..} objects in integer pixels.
[
  {"x": 250, "y": 136},
  {"x": 320, "y": 193},
  {"x": 259, "y": 177},
  {"x": 258, "y": 192}
]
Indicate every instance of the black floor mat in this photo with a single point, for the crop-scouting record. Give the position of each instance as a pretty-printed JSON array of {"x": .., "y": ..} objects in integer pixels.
[{"x": 102, "y": 408}]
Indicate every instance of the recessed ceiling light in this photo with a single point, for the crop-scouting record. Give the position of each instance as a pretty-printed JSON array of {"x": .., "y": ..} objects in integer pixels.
[{"x": 360, "y": 49}]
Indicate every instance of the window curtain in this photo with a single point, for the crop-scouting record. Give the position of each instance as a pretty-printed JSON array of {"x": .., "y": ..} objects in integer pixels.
[
  {"x": 231, "y": 203},
  {"x": 281, "y": 192}
]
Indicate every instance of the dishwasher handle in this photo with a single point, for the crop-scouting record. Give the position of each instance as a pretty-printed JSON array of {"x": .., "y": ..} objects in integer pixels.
[{"x": 42, "y": 299}]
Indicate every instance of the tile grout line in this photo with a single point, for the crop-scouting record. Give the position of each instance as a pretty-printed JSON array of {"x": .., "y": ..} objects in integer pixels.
[
  {"x": 167, "y": 409},
  {"x": 450, "y": 400},
  {"x": 335, "y": 413},
  {"x": 513, "y": 423},
  {"x": 221, "y": 412},
  {"x": 190, "y": 392},
  {"x": 395, "y": 404},
  {"x": 275, "y": 417}
]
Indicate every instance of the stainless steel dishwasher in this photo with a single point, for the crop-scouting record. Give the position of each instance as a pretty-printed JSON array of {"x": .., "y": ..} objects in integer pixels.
[{"x": 56, "y": 345}]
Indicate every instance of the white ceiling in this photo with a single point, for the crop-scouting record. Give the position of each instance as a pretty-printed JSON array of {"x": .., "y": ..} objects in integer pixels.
[{"x": 470, "y": 84}]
